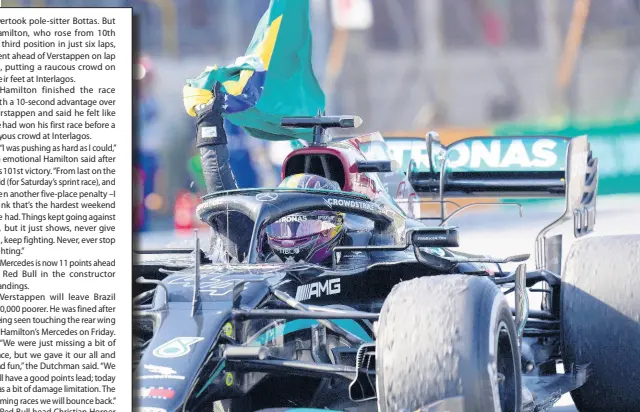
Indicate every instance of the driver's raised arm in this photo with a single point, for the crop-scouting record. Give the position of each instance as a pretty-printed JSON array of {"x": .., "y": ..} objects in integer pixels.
[{"x": 211, "y": 140}]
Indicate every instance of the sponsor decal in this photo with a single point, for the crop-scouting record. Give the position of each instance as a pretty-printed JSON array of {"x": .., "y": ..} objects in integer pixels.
[
  {"x": 504, "y": 154},
  {"x": 176, "y": 347},
  {"x": 330, "y": 218},
  {"x": 292, "y": 218},
  {"x": 160, "y": 372},
  {"x": 266, "y": 197},
  {"x": 156, "y": 393},
  {"x": 353, "y": 257},
  {"x": 159, "y": 369},
  {"x": 486, "y": 154},
  {"x": 430, "y": 238},
  {"x": 317, "y": 289},
  {"x": 228, "y": 379},
  {"x": 286, "y": 250},
  {"x": 209, "y": 132},
  {"x": 357, "y": 204},
  {"x": 214, "y": 285}
]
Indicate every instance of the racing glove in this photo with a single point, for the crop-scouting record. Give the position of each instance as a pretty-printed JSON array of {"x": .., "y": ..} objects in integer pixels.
[{"x": 211, "y": 140}]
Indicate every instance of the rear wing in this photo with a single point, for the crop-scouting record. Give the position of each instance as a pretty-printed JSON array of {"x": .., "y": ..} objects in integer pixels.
[
  {"x": 500, "y": 166},
  {"x": 506, "y": 166}
]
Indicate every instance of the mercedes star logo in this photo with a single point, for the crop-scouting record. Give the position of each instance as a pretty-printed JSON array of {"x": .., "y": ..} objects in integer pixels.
[{"x": 266, "y": 197}]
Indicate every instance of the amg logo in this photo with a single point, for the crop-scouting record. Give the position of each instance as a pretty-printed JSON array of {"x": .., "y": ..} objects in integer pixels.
[{"x": 317, "y": 289}]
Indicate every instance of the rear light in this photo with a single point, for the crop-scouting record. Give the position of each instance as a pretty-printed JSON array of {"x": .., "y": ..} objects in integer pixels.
[{"x": 184, "y": 211}]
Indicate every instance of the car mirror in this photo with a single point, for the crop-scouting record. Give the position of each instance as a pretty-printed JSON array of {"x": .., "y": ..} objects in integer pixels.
[
  {"x": 374, "y": 166},
  {"x": 517, "y": 258},
  {"x": 435, "y": 237}
]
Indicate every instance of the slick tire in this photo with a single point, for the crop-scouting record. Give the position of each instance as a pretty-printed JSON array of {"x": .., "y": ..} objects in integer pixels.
[
  {"x": 446, "y": 341},
  {"x": 600, "y": 303}
]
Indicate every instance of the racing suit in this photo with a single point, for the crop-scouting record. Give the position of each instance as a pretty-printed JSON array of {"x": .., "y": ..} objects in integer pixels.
[
  {"x": 228, "y": 239},
  {"x": 211, "y": 140}
]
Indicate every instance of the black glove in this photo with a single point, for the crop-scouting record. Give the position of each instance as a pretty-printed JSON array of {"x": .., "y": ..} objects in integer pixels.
[
  {"x": 210, "y": 124},
  {"x": 211, "y": 140}
]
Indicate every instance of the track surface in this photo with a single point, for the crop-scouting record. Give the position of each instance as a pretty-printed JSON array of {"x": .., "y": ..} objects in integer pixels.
[
  {"x": 498, "y": 233},
  {"x": 504, "y": 233}
]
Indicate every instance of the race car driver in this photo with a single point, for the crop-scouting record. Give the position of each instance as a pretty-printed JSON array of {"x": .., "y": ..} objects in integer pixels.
[
  {"x": 311, "y": 237},
  {"x": 306, "y": 237}
]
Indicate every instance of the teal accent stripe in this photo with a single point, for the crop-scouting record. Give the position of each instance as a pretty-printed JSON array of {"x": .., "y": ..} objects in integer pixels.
[
  {"x": 212, "y": 377},
  {"x": 299, "y": 324},
  {"x": 290, "y": 327}
]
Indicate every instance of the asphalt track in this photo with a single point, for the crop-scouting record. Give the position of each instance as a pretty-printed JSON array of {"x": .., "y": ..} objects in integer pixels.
[{"x": 499, "y": 232}]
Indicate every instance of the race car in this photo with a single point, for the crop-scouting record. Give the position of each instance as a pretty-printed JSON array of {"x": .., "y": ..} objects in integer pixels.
[{"x": 398, "y": 319}]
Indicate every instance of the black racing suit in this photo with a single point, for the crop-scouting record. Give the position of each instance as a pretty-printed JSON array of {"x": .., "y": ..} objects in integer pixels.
[{"x": 211, "y": 141}]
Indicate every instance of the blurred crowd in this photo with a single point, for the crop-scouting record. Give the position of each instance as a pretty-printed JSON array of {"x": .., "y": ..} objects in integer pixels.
[
  {"x": 167, "y": 173},
  {"x": 418, "y": 65},
  {"x": 422, "y": 64}
]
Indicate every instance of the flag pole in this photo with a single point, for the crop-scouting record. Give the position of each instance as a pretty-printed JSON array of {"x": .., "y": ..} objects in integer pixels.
[{"x": 572, "y": 45}]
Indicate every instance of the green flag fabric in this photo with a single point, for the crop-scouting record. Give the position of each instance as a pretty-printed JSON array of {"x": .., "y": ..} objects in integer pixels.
[{"x": 273, "y": 79}]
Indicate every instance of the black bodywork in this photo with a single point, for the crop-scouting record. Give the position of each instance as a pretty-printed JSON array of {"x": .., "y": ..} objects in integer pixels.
[
  {"x": 258, "y": 302},
  {"x": 257, "y": 334}
]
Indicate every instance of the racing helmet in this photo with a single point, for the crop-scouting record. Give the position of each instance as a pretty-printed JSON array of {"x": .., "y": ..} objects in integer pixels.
[{"x": 309, "y": 236}]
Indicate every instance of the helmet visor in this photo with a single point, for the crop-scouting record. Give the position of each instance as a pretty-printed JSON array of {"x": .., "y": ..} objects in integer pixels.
[{"x": 300, "y": 226}]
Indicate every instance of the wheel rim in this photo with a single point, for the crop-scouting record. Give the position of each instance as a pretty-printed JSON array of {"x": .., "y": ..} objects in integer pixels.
[{"x": 506, "y": 370}]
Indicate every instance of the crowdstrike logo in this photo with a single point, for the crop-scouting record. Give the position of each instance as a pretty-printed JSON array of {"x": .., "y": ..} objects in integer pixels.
[{"x": 356, "y": 204}]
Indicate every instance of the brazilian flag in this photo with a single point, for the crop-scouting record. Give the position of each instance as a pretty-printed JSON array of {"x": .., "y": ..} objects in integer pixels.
[{"x": 273, "y": 79}]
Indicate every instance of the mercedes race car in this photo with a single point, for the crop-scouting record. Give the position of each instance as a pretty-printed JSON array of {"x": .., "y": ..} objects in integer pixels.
[{"x": 398, "y": 319}]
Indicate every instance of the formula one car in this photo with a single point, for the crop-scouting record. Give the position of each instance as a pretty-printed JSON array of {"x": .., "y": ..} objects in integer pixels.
[{"x": 399, "y": 319}]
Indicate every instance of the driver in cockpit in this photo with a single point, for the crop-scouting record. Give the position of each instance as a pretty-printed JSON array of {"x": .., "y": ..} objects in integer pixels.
[{"x": 306, "y": 237}]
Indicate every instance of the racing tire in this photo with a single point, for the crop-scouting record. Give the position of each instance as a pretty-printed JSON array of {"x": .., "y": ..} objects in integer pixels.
[
  {"x": 449, "y": 341},
  {"x": 600, "y": 312}
]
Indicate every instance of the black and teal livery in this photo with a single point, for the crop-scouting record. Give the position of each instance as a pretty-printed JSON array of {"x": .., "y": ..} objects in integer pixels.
[
  {"x": 399, "y": 320},
  {"x": 252, "y": 306}
]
